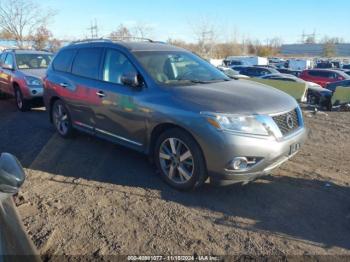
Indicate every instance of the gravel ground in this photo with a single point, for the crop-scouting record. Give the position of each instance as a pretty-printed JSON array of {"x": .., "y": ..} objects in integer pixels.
[{"x": 87, "y": 196}]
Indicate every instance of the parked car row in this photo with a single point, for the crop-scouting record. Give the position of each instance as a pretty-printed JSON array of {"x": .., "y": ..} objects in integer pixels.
[
  {"x": 193, "y": 120},
  {"x": 317, "y": 80}
]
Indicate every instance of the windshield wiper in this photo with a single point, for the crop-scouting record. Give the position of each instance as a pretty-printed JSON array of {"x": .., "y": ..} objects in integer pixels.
[{"x": 196, "y": 81}]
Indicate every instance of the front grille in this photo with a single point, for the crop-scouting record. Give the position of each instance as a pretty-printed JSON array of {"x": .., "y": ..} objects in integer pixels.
[{"x": 288, "y": 122}]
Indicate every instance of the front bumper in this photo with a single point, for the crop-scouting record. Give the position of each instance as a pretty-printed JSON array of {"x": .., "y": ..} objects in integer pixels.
[
  {"x": 34, "y": 92},
  {"x": 271, "y": 153}
]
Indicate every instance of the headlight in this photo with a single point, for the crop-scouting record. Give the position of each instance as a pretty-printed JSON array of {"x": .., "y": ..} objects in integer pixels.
[
  {"x": 242, "y": 124},
  {"x": 33, "y": 81}
]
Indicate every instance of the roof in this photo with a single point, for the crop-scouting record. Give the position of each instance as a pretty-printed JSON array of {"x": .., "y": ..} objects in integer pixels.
[
  {"x": 325, "y": 69},
  {"x": 132, "y": 46}
]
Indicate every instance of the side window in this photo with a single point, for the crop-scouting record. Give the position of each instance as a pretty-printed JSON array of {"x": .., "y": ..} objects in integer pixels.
[
  {"x": 63, "y": 60},
  {"x": 315, "y": 73},
  {"x": 327, "y": 74},
  {"x": 9, "y": 60},
  {"x": 2, "y": 58},
  {"x": 264, "y": 72},
  {"x": 251, "y": 71},
  {"x": 115, "y": 65},
  {"x": 87, "y": 62}
]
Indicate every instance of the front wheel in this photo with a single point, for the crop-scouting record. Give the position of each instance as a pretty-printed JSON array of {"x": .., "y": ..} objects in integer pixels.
[
  {"x": 179, "y": 159},
  {"x": 22, "y": 104},
  {"x": 61, "y": 119}
]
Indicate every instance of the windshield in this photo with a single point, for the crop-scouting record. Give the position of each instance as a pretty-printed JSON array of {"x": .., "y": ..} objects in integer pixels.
[
  {"x": 33, "y": 61},
  {"x": 173, "y": 68}
]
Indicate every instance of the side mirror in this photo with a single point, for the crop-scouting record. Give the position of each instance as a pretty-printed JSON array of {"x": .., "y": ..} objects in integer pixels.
[
  {"x": 9, "y": 67},
  {"x": 130, "y": 79},
  {"x": 12, "y": 175}
]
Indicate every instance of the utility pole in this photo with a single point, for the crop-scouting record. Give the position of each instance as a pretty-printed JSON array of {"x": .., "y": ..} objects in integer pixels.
[
  {"x": 93, "y": 29},
  {"x": 308, "y": 38}
]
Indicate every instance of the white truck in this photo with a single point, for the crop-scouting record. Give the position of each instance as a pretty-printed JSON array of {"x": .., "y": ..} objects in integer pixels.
[
  {"x": 246, "y": 60},
  {"x": 300, "y": 64}
]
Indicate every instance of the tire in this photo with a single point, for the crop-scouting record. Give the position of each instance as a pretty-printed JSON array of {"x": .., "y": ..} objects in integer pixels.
[
  {"x": 179, "y": 160},
  {"x": 61, "y": 119},
  {"x": 22, "y": 104}
]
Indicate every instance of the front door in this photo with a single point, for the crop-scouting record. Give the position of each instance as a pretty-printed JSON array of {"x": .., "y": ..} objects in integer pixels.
[{"x": 121, "y": 115}]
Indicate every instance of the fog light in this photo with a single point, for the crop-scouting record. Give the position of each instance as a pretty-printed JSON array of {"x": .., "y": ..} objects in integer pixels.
[{"x": 239, "y": 163}]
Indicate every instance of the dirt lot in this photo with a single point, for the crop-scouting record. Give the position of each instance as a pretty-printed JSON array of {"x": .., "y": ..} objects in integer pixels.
[{"x": 86, "y": 196}]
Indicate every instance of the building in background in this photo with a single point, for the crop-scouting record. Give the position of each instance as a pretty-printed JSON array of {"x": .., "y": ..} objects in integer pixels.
[{"x": 314, "y": 50}]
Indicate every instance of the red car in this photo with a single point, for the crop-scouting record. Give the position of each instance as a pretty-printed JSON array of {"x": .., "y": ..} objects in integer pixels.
[{"x": 323, "y": 76}]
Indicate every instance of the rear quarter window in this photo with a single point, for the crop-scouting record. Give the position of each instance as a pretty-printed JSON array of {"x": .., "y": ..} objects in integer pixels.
[
  {"x": 63, "y": 60},
  {"x": 87, "y": 62}
]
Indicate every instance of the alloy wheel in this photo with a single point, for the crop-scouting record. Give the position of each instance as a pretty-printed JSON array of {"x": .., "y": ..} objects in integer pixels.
[
  {"x": 176, "y": 160},
  {"x": 19, "y": 100},
  {"x": 61, "y": 119}
]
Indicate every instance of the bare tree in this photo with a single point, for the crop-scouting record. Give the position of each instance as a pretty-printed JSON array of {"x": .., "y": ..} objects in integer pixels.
[
  {"x": 205, "y": 33},
  {"x": 21, "y": 18},
  {"x": 142, "y": 30},
  {"x": 121, "y": 33},
  {"x": 41, "y": 38},
  {"x": 331, "y": 40},
  {"x": 6, "y": 35},
  {"x": 54, "y": 44}
]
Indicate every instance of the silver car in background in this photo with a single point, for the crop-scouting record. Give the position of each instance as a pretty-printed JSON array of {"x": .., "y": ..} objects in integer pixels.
[{"x": 166, "y": 102}]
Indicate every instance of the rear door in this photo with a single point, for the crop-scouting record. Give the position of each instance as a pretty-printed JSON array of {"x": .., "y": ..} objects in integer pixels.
[
  {"x": 84, "y": 78},
  {"x": 74, "y": 79}
]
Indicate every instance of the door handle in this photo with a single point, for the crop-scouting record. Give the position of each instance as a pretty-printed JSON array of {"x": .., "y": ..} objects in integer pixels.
[
  {"x": 64, "y": 85},
  {"x": 100, "y": 94}
]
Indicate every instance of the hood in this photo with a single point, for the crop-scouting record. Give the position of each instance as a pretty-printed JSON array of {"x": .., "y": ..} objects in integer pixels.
[
  {"x": 40, "y": 73},
  {"x": 235, "y": 97}
]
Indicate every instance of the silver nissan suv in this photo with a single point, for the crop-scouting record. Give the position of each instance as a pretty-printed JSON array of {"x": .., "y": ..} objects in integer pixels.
[{"x": 168, "y": 103}]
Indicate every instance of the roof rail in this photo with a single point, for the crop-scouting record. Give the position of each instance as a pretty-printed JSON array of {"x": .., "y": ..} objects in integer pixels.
[
  {"x": 88, "y": 40},
  {"x": 111, "y": 39},
  {"x": 123, "y": 38},
  {"x": 16, "y": 49}
]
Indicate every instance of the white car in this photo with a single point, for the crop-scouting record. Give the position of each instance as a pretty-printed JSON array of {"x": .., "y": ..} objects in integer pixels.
[{"x": 231, "y": 73}]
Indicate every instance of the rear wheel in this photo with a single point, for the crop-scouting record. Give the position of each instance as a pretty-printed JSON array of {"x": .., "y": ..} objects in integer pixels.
[
  {"x": 22, "y": 104},
  {"x": 179, "y": 159},
  {"x": 61, "y": 119}
]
